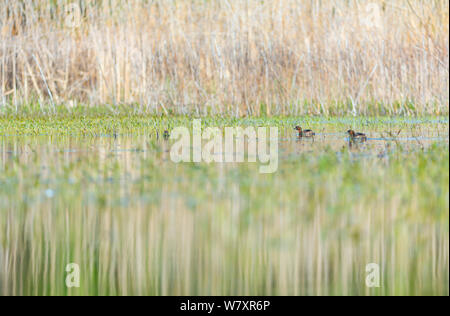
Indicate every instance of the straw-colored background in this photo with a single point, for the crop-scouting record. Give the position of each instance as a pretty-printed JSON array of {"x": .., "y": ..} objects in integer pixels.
[{"x": 238, "y": 57}]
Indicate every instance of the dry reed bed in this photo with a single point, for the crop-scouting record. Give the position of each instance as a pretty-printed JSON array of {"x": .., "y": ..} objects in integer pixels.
[{"x": 236, "y": 57}]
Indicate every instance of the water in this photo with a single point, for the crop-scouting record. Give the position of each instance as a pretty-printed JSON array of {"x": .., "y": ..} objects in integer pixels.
[
  {"x": 138, "y": 223},
  {"x": 15, "y": 145}
]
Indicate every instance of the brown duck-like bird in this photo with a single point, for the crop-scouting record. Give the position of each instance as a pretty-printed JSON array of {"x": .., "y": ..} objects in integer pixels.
[
  {"x": 354, "y": 136},
  {"x": 304, "y": 132}
]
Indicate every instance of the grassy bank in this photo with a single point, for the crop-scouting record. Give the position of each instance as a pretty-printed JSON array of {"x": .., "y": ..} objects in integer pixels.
[{"x": 106, "y": 120}]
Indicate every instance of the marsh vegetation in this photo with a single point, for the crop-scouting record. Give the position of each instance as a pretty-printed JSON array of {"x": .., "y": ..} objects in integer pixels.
[
  {"x": 89, "y": 88},
  {"x": 238, "y": 57}
]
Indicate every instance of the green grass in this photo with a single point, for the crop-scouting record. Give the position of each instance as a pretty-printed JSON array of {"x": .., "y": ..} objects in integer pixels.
[
  {"x": 95, "y": 121},
  {"x": 137, "y": 223}
]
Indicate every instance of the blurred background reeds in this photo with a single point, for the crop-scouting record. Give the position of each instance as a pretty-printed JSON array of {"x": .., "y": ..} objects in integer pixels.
[{"x": 236, "y": 57}]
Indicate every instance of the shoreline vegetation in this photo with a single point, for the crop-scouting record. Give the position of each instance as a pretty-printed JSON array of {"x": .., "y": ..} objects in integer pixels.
[
  {"x": 104, "y": 121},
  {"x": 240, "y": 58}
]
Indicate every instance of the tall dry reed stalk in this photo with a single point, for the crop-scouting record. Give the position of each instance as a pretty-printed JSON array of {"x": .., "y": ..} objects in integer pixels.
[{"x": 238, "y": 57}]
